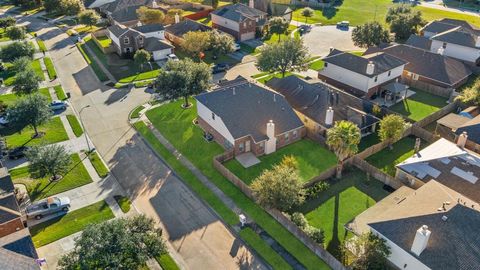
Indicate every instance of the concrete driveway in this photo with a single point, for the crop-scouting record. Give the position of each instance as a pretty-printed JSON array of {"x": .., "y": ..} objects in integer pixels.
[
  {"x": 322, "y": 38},
  {"x": 199, "y": 240}
]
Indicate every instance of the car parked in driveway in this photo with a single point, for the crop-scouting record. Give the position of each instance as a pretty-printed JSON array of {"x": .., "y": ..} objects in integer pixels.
[
  {"x": 220, "y": 67},
  {"x": 57, "y": 105},
  {"x": 18, "y": 152},
  {"x": 48, "y": 206}
]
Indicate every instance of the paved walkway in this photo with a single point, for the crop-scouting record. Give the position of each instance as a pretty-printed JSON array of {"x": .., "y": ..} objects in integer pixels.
[{"x": 100, "y": 64}]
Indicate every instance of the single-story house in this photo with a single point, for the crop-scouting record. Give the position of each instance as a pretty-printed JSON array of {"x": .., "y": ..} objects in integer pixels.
[
  {"x": 241, "y": 21},
  {"x": 244, "y": 117},
  {"x": 433, "y": 227},
  {"x": 148, "y": 37},
  {"x": 174, "y": 33},
  {"x": 426, "y": 70},
  {"x": 466, "y": 122},
  {"x": 320, "y": 105},
  {"x": 446, "y": 162},
  {"x": 362, "y": 76}
]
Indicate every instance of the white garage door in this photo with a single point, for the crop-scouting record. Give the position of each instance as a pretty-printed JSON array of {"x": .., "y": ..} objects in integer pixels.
[
  {"x": 162, "y": 54},
  {"x": 247, "y": 36}
]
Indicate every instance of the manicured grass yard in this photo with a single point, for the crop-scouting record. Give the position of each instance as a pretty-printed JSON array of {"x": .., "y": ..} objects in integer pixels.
[
  {"x": 166, "y": 262},
  {"x": 386, "y": 159},
  {"x": 104, "y": 41},
  {"x": 52, "y": 73},
  {"x": 312, "y": 160},
  {"x": 53, "y": 132},
  {"x": 91, "y": 62},
  {"x": 75, "y": 125},
  {"x": 176, "y": 125},
  {"x": 123, "y": 202},
  {"x": 98, "y": 164},
  {"x": 317, "y": 65},
  {"x": 59, "y": 92},
  {"x": 38, "y": 69},
  {"x": 420, "y": 105},
  {"x": 10, "y": 99},
  {"x": 368, "y": 141},
  {"x": 41, "y": 45},
  {"x": 338, "y": 205},
  {"x": 39, "y": 188},
  {"x": 75, "y": 221},
  {"x": 136, "y": 112},
  {"x": 274, "y": 38}
]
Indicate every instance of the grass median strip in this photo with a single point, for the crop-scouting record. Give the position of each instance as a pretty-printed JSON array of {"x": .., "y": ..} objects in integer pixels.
[
  {"x": 166, "y": 262},
  {"x": 38, "y": 69},
  {"x": 52, "y": 73},
  {"x": 59, "y": 92},
  {"x": 41, "y": 45},
  {"x": 98, "y": 164},
  {"x": 206, "y": 194},
  {"x": 123, "y": 202},
  {"x": 75, "y": 125},
  {"x": 75, "y": 221},
  {"x": 136, "y": 112}
]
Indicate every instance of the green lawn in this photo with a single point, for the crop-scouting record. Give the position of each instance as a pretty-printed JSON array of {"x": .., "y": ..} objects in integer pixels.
[
  {"x": 123, "y": 202},
  {"x": 317, "y": 65},
  {"x": 136, "y": 112},
  {"x": 368, "y": 141},
  {"x": 274, "y": 38},
  {"x": 8, "y": 75},
  {"x": 39, "y": 188},
  {"x": 53, "y": 132},
  {"x": 10, "y": 99},
  {"x": 166, "y": 262},
  {"x": 41, "y": 45},
  {"x": 152, "y": 74},
  {"x": 361, "y": 11},
  {"x": 59, "y": 92},
  {"x": 208, "y": 57},
  {"x": 312, "y": 158},
  {"x": 338, "y": 205},
  {"x": 75, "y": 221},
  {"x": 91, "y": 62},
  {"x": 98, "y": 164},
  {"x": 386, "y": 159},
  {"x": 3, "y": 36},
  {"x": 176, "y": 125},
  {"x": 38, "y": 69},
  {"x": 75, "y": 125},
  {"x": 52, "y": 73},
  {"x": 420, "y": 105},
  {"x": 104, "y": 41}
]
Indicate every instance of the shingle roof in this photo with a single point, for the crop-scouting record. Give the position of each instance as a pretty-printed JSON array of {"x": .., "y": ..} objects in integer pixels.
[
  {"x": 419, "y": 42},
  {"x": 313, "y": 100},
  {"x": 445, "y": 24},
  {"x": 126, "y": 14},
  {"x": 154, "y": 44},
  {"x": 14, "y": 261},
  {"x": 122, "y": 4},
  {"x": 149, "y": 28},
  {"x": 246, "y": 108},
  {"x": 453, "y": 120},
  {"x": 431, "y": 65},
  {"x": 9, "y": 209},
  {"x": 238, "y": 12},
  {"x": 6, "y": 184},
  {"x": 383, "y": 62},
  {"x": 459, "y": 35},
  {"x": 472, "y": 127},
  {"x": 117, "y": 30},
  {"x": 19, "y": 242},
  {"x": 185, "y": 26}
]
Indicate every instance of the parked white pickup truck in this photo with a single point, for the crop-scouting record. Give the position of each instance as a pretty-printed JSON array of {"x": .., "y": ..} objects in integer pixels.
[{"x": 48, "y": 206}]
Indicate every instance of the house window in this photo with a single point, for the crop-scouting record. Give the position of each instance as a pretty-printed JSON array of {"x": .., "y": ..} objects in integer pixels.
[
  {"x": 287, "y": 137},
  {"x": 126, "y": 40},
  {"x": 444, "y": 45},
  {"x": 376, "y": 78},
  {"x": 295, "y": 134},
  {"x": 389, "y": 72},
  {"x": 213, "y": 116}
]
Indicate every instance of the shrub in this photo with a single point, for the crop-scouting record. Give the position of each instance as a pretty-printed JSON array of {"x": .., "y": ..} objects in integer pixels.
[{"x": 315, "y": 190}]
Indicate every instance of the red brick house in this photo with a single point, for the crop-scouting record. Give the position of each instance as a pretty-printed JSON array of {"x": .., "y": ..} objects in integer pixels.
[{"x": 244, "y": 117}]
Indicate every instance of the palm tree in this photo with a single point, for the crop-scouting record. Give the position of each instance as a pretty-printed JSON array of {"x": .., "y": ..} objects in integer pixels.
[{"x": 343, "y": 139}]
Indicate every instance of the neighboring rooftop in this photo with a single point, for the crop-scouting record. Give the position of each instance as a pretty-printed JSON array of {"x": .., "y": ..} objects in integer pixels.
[
  {"x": 149, "y": 28},
  {"x": 118, "y": 30},
  {"x": 9, "y": 209},
  {"x": 449, "y": 164},
  {"x": 246, "y": 108},
  {"x": 154, "y": 44},
  {"x": 126, "y": 14},
  {"x": 383, "y": 62},
  {"x": 239, "y": 12},
  {"x": 420, "y": 42},
  {"x": 6, "y": 184},
  {"x": 445, "y": 24},
  {"x": 19, "y": 242},
  {"x": 117, "y": 5},
  {"x": 185, "y": 26},
  {"x": 313, "y": 100},
  {"x": 472, "y": 127}
]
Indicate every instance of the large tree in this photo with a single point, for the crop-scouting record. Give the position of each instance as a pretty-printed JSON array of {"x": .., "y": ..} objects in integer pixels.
[
  {"x": 278, "y": 25},
  {"x": 17, "y": 49},
  {"x": 123, "y": 244},
  {"x": 89, "y": 17},
  {"x": 50, "y": 160},
  {"x": 371, "y": 252},
  {"x": 16, "y": 32},
  {"x": 70, "y": 7},
  {"x": 149, "y": 15},
  {"x": 404, "y": 20},
  {"x": 287, "y": 55},
  {"x": 221, "y": 43},
  {"x": 30, "y": 111},
  {"x": 471, "y": 95},
  {"x": 7, "y": 22},
  {"x": 343, "y": 138},
  {"x": 279, "y": 187},
  {"x": 307, "y": 13},
  {"x": 141, "y": 57},
  {"x": 214, "y": 4},
  {"x": 391, "y": 129},
  {"x": 26, "y": 81},
  {"x": 196, "y": 42},
  {"x": 370, "y": 34},
  {"x": 21, "y": 64},
  {"x": 183, "y": 78}
]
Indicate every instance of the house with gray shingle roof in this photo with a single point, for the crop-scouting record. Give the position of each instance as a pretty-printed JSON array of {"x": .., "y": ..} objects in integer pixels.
[
  {"x": 239, "y": 20},
  {"x": 467, "y": 122},
  {"x": 244, "y": 117}
]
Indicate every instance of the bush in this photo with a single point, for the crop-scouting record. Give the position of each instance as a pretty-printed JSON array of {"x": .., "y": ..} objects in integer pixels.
[
  {"x": 315, "y": 234},
  {"x": 316, "y": 189},
  {"x": 15, "y": 50},
  {"x": 299, "y": 220}
]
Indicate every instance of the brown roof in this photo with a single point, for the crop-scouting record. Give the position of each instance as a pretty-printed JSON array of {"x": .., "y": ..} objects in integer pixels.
[{"x": 453, "y": 120}]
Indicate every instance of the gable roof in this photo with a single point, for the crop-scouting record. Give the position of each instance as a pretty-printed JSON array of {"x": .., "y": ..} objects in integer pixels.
[
  {"x": 9, "y": 209},
  {"x": 245, "y": 108},
  {"x": 472, "y": 127},
  {"x": 154, "y": 44},
  {"x": 19, "y": 242},
  {"x": 185, "y": 26},
  {"x": 431, "y": 65},
  {"x": 272, "y": 9},
  {"x": 238, "y": 12},
  {"x": 149, "y": 28},
  {"x": 453, "y": 244},
  {"x": 383, "y": 62},
  {"x": 117, "y": 30},
  {"x": 420, "y": 42},
  {"x": 446, "y": 24},
  {"x": 14, "y": 261},
  {"x": 313, "y": 100},
  {"x": 458, "y": 35},
  {"x": 6, "y": 184},
  {"x": 126, "y": 14},
  {"x": 123, "y": 4}
]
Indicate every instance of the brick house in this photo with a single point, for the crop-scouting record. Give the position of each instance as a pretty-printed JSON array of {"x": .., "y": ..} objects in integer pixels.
[
  {"x": 174, "y": 33},
  {"x": 244, "y": 117},
  {"x": 239, "y": 20}
]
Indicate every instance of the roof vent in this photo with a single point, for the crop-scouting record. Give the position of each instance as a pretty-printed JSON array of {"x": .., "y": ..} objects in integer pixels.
[
  {"x": 233, "y": 91},
  {"x": 444, "y": 218},
  {"x": 370, "y": 68},
  {"x": 274, "y": 98}
]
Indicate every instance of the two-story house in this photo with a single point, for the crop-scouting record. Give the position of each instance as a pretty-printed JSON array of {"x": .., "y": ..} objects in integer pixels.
[
  {"x": 239, "y": 20},
  {"x": 362, "y": 76}
]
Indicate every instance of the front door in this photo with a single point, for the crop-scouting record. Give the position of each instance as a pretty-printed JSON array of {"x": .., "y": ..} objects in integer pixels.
[{"x": 247, "y": 146}]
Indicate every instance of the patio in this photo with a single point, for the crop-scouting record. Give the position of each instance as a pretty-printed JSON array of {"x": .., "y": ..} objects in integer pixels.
[
  {"x": 247, "y": 159},
  {"x": 394, "y": 93}
]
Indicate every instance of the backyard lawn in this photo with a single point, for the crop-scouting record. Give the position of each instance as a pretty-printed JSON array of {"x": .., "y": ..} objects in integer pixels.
[
  {"x": 176, "y": 125},
  {"x": 53, "y": 132},
  {"x": 338, "y": 205},
  {"x": 39, "y": 188},
  {"x": 75, "y": 221},
  {"x": 420, "y": 105},
  {"x": 312, "y": 158},
  {"x": 368, "y": 141},
  {"x": 360, "y": 11},
  {"x": 104, "y": 41},
  {"x": 386, "y": 159}
]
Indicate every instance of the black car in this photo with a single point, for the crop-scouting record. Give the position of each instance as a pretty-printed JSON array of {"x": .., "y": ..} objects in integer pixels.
[
  {"x": 220, "y": 68},
  {"x": 18, "y": 152}
]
